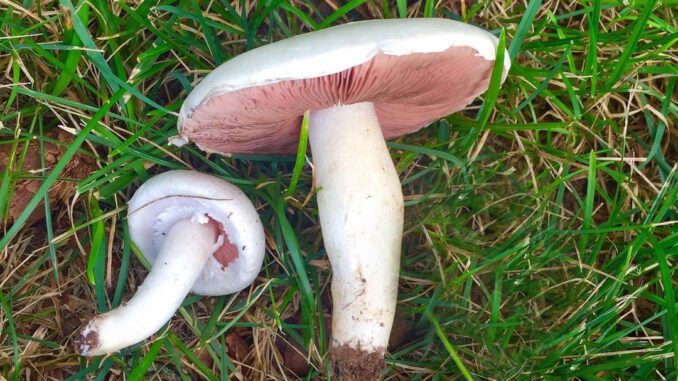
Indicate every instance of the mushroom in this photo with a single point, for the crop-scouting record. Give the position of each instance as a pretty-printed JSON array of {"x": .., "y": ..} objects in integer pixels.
[
  {"x": 201, "y": 234},
  {"x": 364, "y": 82}
]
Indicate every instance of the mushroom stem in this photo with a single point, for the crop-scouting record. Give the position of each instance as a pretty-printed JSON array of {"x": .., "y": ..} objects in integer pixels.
[
  {"x": 360, "y": 202},
  {"x": 180, "y": 261}
]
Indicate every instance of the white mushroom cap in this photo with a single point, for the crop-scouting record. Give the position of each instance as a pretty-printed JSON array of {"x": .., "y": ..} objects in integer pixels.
[
  {"x": 338, "y": 48},
  {"x": 252, "y": 103},
  {"x": 179, "y": 195}
]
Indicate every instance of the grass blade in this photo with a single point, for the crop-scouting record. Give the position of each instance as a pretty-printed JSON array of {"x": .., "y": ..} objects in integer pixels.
[
  {"x": 140, "y": 370},
  {"x": 301, "y": 154},
  {"x": 449, "y": 347},
  {"x": 11, "y": 332},
  {"x": 349, "y": 6},
  {"x": 588, "y": 204},
  {"x": 638, "y": 26},
  {"x": 492, "y": 92},
  {"x": 523, "y": 28},
  {"x": 667, "y": 282},
  {"x": 591, "y": 62}
]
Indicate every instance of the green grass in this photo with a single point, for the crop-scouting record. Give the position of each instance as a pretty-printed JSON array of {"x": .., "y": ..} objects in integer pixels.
[{"x": 541, "y": 237}]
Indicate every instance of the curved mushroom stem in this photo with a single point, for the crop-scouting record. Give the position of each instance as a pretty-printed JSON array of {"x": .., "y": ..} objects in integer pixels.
[
  {"x": 361, "y": 212},
  {"x": 179, "y": 263}
]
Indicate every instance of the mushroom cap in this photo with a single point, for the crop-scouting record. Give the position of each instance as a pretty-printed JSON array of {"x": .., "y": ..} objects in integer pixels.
[
  {"x": 177, "y": 195},
  {"x": 413, "y": 70}
]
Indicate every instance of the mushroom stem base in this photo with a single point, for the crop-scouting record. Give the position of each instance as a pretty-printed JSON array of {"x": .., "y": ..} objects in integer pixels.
[
  {"x": 351, "y": 364},
  {"x": 360, "y": 203},
  {"x": 179, "y": 263}
]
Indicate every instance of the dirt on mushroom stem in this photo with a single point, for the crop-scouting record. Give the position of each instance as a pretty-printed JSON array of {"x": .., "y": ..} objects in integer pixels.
[{"x": 354, "y": 364}]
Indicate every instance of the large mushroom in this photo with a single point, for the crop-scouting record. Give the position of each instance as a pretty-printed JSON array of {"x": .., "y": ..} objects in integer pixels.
[
  {"x": 201, "y": 234},
  {"x": 364, "y": 82}
]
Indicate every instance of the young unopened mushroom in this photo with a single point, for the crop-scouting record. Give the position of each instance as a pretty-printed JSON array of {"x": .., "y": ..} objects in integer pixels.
[
  {"x": 364, "y": 82},
  {"x": 201, "y": 234}
]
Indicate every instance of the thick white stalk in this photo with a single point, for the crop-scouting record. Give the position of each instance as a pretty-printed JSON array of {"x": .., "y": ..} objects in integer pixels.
[
  {"x": 180, "y": 261},
  {"x": 361, "y": 212}
]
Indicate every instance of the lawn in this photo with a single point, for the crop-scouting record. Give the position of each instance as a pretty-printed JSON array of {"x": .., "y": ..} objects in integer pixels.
[{"x": 541, "y": 223}]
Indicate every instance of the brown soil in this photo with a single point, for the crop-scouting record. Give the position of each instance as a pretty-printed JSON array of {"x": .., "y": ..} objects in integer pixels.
[
  {"x": 89, "y": 341},
  {"x": 294, "y": 357},
  {"x": 351, "y": 364},
  {"x": 79, "y": 167},
  {"x": 403, "y": 332},
  {"x": 236, "y": 346}
]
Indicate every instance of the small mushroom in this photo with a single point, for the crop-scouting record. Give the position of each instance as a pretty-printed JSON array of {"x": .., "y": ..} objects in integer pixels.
[
  {"x": 364, "y": 83},
  {"x": 201, "y": 234}
]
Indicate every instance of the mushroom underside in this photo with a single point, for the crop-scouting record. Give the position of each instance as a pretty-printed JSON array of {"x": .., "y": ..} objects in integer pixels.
[
  {"x": 408, "y": 91},
  {"x": 229, "y": 269}
]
